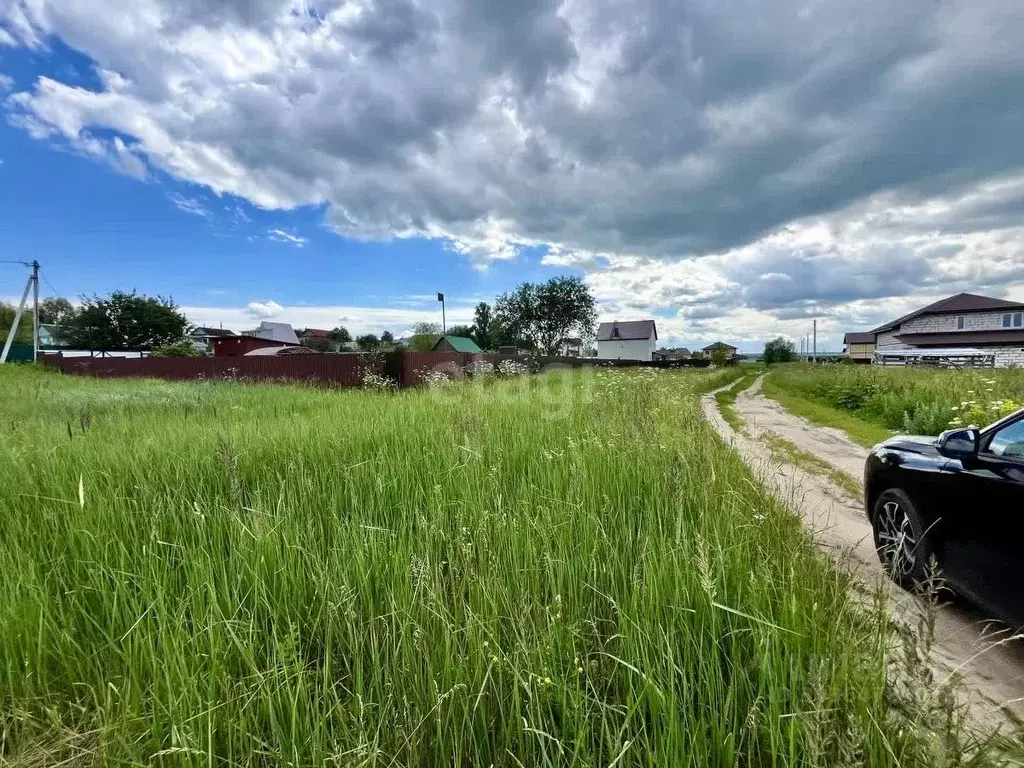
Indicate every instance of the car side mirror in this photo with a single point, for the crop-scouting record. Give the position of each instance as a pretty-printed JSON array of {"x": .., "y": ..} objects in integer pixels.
[{"x": 960, "y": 443}]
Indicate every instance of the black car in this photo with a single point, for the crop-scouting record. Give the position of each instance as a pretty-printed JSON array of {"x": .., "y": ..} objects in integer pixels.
[{"x": 960, "y": 499}]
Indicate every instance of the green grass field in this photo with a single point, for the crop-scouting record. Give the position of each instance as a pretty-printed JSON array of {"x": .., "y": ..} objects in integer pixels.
[
  {"x": 562, "y": 570},
  {"x": 872, "y": 402}
]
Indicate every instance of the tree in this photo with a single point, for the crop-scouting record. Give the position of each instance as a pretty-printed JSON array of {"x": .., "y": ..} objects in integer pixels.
[
  {"x": 341, "y": 334},
  {"x": 465, "y": 331},
  {"x": 56, "y": 311},
  {"x": 24, "y": 334},
  {"x": 424, "y": 337},
  {"x": 544, "y": 314},
  {"x": 779, "y": 350},
  {"x": 387, "y": 338},
  {"x": 319, "y": 344},
  {"x": 720, "y": 356},
  {"x": 368, "y": 342},
  {"x": 182, "y": 348},
  {"x": 482, "y": 325},
  {"x": 125, "y": 321}
]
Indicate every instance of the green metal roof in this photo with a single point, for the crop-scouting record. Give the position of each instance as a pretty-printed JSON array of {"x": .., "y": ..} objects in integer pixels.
[{"x": 460, "y": 343}]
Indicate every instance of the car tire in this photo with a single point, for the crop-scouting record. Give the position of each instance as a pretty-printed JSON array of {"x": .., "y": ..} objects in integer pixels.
[{"x": 902, "y": 539}]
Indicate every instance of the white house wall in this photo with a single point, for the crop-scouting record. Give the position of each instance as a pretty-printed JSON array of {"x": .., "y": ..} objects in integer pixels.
[
  {"x": 887, "y": 342},
  {"x": 637, "y": 349},
  {"x": 1009, "y": 357}
]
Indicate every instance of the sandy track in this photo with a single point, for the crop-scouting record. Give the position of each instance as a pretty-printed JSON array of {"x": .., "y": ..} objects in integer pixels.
[{"x": 992, "y": 668}]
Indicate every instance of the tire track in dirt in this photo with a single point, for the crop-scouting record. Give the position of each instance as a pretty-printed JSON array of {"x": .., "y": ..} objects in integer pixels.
[{"x": 992, "y": 667}]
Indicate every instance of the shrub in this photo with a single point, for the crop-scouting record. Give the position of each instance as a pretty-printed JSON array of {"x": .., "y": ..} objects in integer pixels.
[{"x": 182, "y": 348}]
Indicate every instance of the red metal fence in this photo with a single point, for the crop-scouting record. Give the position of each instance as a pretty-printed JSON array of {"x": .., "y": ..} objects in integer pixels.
[{"x": 409, "y": 369}]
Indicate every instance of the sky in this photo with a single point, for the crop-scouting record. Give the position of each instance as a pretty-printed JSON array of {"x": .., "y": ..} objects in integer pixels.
[{"x": 732, "y": 168}]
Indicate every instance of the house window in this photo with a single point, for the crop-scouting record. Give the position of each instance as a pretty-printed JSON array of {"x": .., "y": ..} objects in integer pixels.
[
  {"x": 961, "y": 322},
  {"x": 1007, "y": 321},
  {"x": 1014, "y": 320}
]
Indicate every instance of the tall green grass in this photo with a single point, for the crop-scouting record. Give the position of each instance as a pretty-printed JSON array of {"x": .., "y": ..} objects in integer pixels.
[
  {"x": 917, "y": 400},
  {"x": 563, "y": 570}
]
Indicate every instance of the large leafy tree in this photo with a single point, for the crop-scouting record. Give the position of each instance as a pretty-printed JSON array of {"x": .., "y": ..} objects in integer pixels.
[
  {"x": 341, "y": 334},
  {"x": 779, "y": 350},
  {"x": 424, "y": 336},
  {"x": 387, "y": 338},
  {"x": 466, "y": 331},
  {"x": 56, "y": 311},
  {"x": 125, "y": 321},
  {"x": 368, "y": 342},
  {"x": 24, "y": 334},
  {"x": 482, "y": 325},
  {"x": 543, "y": 314}
]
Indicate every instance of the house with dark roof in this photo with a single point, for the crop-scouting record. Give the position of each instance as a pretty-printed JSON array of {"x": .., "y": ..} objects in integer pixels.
[
  {"x": 202, "y": 337},
  {"x": 627, "y": 340},
  {"x": 673, "y": 353},
  {"x": 456, "y": 344},
  {"x": 962, "y": 324},
  {"x": 859, "y": 347},
  {"x": 720, "y": 349}
]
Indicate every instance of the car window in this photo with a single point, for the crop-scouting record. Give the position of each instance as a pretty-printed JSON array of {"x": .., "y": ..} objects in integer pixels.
[{"x": 1009, "y": 441}]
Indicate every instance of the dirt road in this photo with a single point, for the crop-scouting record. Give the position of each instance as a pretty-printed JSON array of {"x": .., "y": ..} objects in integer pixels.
[{"x": 991, "y": 664}]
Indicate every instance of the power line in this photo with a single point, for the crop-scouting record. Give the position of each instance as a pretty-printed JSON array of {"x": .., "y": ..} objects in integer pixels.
[{"x": 45, "y": 280}]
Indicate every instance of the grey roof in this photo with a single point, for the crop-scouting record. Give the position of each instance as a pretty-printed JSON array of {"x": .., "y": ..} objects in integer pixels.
[
  {"x": 630, "y": 330},
  {"x": 277, "y": 332},
  {"x": 962, "y": 302},
  {"x": 212, "y": 332},
  {"x": 718, "y": 345}
]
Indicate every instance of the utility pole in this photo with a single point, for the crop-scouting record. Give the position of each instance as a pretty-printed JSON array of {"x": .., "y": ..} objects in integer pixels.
[
  {"x": 31, "y": 285},
  {"x": 815, "y": 341},
  {"x": 35, "y": 311},
  {"x": 444, "y": 325}
]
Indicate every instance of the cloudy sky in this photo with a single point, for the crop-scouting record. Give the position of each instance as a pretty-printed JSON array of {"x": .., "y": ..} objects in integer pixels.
[{"x": 733, "y": 168}]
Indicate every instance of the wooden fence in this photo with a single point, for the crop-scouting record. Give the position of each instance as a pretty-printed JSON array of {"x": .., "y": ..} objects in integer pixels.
[{"x": 409, "y": 369}]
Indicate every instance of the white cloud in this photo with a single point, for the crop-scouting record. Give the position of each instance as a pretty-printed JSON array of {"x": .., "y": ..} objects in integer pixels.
[
  {"x": 684, "y": 158},
  {"x": 189, "y": 205},
  {"x": 358, "y": 320},
  {"x": 262, "y": 310},
  {"x": 280, "y": 236},
  {"x": 6, "y": 82}
]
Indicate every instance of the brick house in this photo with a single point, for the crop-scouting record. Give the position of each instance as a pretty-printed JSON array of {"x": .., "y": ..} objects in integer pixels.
[{"x": 965, "y": 322}]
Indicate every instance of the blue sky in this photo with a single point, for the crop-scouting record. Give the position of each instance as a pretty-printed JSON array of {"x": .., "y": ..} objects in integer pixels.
[
  {"x": 95, "y": 228},
  {"x": 733, "y": 170}
]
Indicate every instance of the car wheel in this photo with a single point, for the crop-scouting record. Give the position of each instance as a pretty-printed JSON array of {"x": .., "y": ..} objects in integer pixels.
[{"x": 901, "y": 538}]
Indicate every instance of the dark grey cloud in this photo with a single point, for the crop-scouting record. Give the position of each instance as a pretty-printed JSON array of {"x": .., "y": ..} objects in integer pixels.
[{"x": 787, "y": 155}]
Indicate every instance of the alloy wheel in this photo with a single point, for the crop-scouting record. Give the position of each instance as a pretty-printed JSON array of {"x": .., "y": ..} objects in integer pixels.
[{"x": 896, "y": 540}]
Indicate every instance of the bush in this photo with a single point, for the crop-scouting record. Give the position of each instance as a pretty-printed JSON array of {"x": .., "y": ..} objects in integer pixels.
[
  {"x": 918, "y": 400},
  {"x": 779, "y": 350},
  {"x": 181, "y": 348}
]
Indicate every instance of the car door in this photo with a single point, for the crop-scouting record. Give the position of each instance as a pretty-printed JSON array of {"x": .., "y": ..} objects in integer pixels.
[{"x": 985, "y": 547}]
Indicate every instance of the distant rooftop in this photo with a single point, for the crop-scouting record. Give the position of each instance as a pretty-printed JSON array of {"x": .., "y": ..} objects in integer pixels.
[
  {"x": 628, "y": 330},
  {"x": 282, "y": 332}
]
